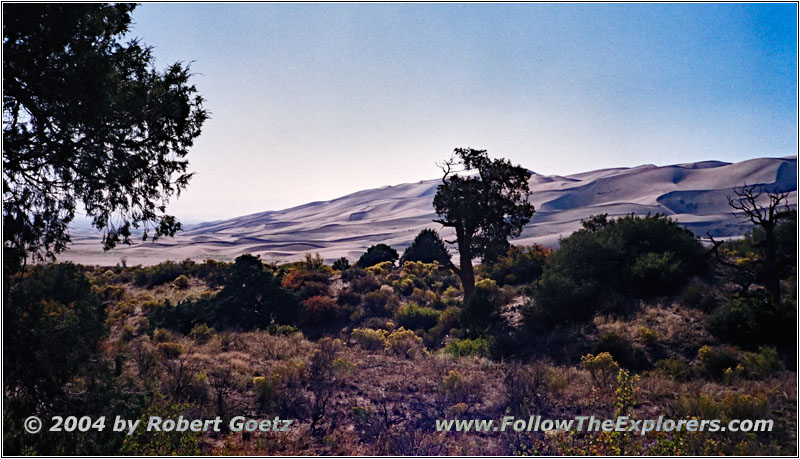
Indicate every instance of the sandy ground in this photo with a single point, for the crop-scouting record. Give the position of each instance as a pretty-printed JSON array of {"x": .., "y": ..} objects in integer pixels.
[{"x": 693, "y": 194}]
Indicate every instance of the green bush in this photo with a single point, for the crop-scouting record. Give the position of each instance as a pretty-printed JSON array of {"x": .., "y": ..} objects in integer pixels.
[
  {"x": 478, "y": 347},
  {"x": 201, "y": 333},
  {"x": 676, "y": 369},
  {"x": 622, "y": 351},
  {"x": 714, "y": 361},
  {"x": 252, "y": 298},
  {"x": 427, "y": 247},
  {"x": 519, "y": 265},
  {"x": 348, "y": 297},
  {"x": 603, "y": 369},
  {"x": 753, "y": 319},
  {"x": 52, "y": 325},
  {"x": 404, "y": 343},
  {"x": 414, "y": 317},
  {"x": 369, "y": 339},
  {"x": 596, "y": 268},
  {"x": 341, "y": 264},
  {"x": 481, "y": 311},
  {"x": 377, "y": 254},
  {"x": 761, "y": 364},
  {"x": 379, "y": 303},
  {"x": 162, "y": 273},
  {"x": 181, "y": 282}
]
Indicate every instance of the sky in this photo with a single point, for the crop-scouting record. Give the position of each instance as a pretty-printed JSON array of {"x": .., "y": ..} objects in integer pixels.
[{"x": 310, "y": 102}]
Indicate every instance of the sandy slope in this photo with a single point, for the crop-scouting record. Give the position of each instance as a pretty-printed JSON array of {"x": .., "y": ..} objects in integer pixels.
[{"x": 693, "y": 194}]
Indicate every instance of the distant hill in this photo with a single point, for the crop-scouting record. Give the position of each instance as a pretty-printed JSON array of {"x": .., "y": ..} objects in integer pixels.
[{"x": 694, "y": 194}]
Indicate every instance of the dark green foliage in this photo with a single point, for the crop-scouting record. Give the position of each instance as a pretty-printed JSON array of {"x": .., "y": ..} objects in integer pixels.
[
  {"x": 767, "y": 209},
  {"x": 154, "y": 443},
  {"x": 162, "y": 273},
  {"x": 598, "y": 267},
  {"x": 623, "y": 352},
  {"x": 713, "y": 361},
  {"x": 252, "y": 298},
  {"x": 415, "y": 317},
  {"x": 341, "y": 264},
  {"x": 52, "y": 325},
  {"x": 480, "y": 313},
  {"x": 349, "y": 298},
  {"x": 377, "y": 254},
  {"x": 754, "y": 318},
  {"x": 427, "y": 247},
  {"x": 752, "y": 247},
  {"x": 379, "y": 303},
  {"x": 88, "y": 119},
  {"x": 484, "y": 209},
  {"x": 519, "y": 265}
]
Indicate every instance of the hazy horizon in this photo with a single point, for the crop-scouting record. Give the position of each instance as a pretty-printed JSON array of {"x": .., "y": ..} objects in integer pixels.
[{"x": 313, "y": 102}]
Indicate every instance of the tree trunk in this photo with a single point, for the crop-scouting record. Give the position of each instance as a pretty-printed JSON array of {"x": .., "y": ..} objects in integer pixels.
[
  {"x": 466, "y": 272},
  {"x": 772, "y": 279}
]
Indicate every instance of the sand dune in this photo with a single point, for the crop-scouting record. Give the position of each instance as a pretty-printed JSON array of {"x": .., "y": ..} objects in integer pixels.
[{"x": 694, "y": 194}]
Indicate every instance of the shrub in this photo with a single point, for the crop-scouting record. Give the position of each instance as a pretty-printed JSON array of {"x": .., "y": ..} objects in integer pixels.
[
  {"x": 478, "y": 347},
  {"x": 715, "y": 360},
  {"x": 370, "y": 339},
  {"x": 307, "y": 283},
  {"x": 252, "y": 298},
  {"x": 415, "y": 317},
  {"x": 314, "y": 263},
  {"x": 341, "y": 264},
  {"x": 348, "y": 297},
  {"x": 622, "y": 351},
  {"x": 602, "y": 367},
  {"x": 365, "y": 284},
  {"x": 149, "y": 306},
  {"x": 381, "y": 269},
  {"x": 647, "y": 336},
  {"x": 427, "y": 247},
  {"x": 630, "y": 257},
  {"x": 162, "y": 273},
  {"x": 753, "y": 319},
  {"x": 525, "y": 386},
  {"x": 761, "y": 364},
  {"x": 455, "y": 389},
  {"x": 265, "y": 389},
  {"x": 481, "y": 311},
  {"x": 519, "y": 265},
  {"x": 321, "y": 311},
  {"x": 170, "y": 350},
  {"x": 379, "y": 303},
  {"x": 52, "y": 324},
  {"x": 160, "y": 443},
  {"x": 404, "y": 342},
  {"x": 377, "y": 254},
  {"x": 745, "y": 406},
  {"x": 405, "y": 285},
  {"x": 181, "y": 282},
  {"x": 676, "y": 369},
  {"x": 201, "y": 333}
]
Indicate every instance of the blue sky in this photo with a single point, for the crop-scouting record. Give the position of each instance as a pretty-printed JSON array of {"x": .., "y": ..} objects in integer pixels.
[{"x": 311, "y": 102}]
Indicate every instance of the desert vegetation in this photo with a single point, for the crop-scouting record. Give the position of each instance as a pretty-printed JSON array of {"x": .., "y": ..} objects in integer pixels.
[{"x": 631, "y": 315}]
